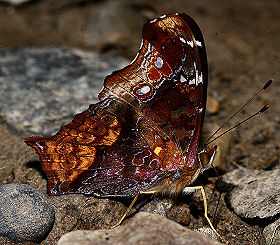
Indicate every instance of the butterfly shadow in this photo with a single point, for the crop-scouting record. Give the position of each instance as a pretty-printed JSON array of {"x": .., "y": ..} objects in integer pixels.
[{"x": 36, "y": 165}]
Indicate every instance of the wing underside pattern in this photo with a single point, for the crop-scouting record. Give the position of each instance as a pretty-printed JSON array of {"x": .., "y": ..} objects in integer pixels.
[{"x": 145, "y": 127}]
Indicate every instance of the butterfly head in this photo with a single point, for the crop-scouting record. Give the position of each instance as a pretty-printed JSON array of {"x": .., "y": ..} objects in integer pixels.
[{"x": 206, "y": 157}]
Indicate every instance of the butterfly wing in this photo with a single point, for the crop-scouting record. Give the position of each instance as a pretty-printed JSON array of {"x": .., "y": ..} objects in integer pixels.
[
  {"x": 98, "y": 153},
  {"x": 147, "y": 124}
]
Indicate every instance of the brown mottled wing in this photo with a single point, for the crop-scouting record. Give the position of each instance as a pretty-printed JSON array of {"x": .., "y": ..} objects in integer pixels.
[
  {"x": 98, "y": 153},
  {"x": 147, "y": 124}
]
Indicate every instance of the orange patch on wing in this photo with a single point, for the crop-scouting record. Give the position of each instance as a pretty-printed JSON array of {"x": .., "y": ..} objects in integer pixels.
[{"x": 157, "y": 150}]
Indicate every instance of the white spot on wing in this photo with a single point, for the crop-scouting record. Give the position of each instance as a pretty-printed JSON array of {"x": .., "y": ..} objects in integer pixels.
[
  {"x": 198, "y": 43},
  {"x": 196, "y": 73},
  {"x": 200, "y": 110},
  {"x": 182, "y": 40},
  {"x": 149, "y": 48},
  {"x": 183, "y": 79},
  {"x": 190, "y": 43},
  {"x": 152, "y": 21},
  {"x": 41, "y": 147},
  {"x": 159, "y": 62},
  {"x": 200, "y": 80},
  {"x": 198, "y": 76},
  {"x": 192, "y": 81},
  {"x": 144, "y": 90}
]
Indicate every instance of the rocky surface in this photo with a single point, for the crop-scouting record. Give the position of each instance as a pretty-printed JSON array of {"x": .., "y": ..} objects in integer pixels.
[
  {"x": 25, "y": 213},
  {"x": 43, "y": 88},
  {"x": 113, "y": 15},
  {"x": 144, "y": 228},
  {"x": 255, "y": 193},
  {"x": 272, "y": 233}
]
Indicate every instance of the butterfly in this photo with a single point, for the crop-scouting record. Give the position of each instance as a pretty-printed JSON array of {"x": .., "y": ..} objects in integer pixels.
[{"x": 143, "y": 134}]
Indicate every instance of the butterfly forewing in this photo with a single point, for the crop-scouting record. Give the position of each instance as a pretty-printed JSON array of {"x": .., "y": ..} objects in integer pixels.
[{"x": 146, "y": 127}]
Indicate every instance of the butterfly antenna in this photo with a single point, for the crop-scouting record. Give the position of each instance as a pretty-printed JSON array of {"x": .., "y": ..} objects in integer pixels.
[
  {"x": 268, "y": 83},
  {"x": 255, "y": 114},
  {"x": 210, "y": 141}
]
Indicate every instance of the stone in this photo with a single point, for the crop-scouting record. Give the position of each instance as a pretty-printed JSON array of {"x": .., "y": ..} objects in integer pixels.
[
  {"x": 144, "y": 229},
  {"x": 44, "y": 87},
  {"x": 254, "y": 193},
  {"x": 272, "y": 233},
  {"x": 106, "y": 26},
  {"x": 207, "y": 231},
  {"x": 25, "y": 213},
  {"x": 212, "y": 105}
]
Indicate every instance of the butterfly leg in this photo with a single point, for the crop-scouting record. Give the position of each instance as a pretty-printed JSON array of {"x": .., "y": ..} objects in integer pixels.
[
  {"x": 205, "y": 205},
  {"x": 130, "y": 207}
]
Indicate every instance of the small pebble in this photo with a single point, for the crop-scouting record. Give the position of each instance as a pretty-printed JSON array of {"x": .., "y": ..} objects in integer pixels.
[
  {"x": 212, "y": 106},
  {"x": 255, "y": 193},
  {"x": 272, "y": 233},
  {"x": 25, "y": 213}
]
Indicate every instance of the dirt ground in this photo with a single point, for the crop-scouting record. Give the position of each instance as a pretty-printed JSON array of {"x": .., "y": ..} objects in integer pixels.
[{"x": 243, "y": 43}]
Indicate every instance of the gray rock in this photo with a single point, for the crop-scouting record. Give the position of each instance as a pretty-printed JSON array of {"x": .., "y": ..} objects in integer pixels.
[
  {"x": 272, "y": 233},
  {"x": 207, "y": 231},
  {"x": 106, "y": 25},
  {"x": 25, "y": 214},
  {"x": 144, "y": 229},
  {"x": 256, "y": 193},
  {"x": 43, "y": 88}
]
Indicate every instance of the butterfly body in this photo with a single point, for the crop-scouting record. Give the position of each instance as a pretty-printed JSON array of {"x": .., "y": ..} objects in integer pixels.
[{"x": 144, "y": 133}]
